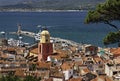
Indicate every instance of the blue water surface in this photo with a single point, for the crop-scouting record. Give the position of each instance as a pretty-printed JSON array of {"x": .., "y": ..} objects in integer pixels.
[{"x": 67, "y": 25}]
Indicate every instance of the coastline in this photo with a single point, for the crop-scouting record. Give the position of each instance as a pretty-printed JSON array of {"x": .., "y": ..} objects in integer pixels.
[
  {"x": 70, "y": 20},
  {"x": 39, "y": 10}
]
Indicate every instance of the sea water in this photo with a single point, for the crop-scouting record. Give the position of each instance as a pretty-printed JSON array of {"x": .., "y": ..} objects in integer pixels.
[{"x": 66, "y": 25}]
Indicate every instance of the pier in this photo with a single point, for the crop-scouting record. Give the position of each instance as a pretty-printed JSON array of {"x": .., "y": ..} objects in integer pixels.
[
  {"x": 25, "y": 33},
  {"x": 54, "y": 39}
]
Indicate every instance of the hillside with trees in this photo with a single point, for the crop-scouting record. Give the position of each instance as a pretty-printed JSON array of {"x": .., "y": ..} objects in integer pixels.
[{"x": 54, "y": 4}]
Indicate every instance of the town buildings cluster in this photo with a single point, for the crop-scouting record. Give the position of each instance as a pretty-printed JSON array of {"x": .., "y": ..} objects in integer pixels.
[{"x": 60, "y": 61}]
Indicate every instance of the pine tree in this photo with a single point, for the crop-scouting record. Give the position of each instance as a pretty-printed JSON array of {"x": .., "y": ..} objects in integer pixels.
[{"x": 106, "y": 13}]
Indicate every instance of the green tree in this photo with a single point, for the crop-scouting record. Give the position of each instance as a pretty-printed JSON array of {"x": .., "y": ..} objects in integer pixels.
[
  {"x": 10, "y": 78},
  {"x": 33, "y": 67},
  {"x": 111, "y": 38},
  {"x": 31, "y": 78},
  {"x": 106, "y": 13}
]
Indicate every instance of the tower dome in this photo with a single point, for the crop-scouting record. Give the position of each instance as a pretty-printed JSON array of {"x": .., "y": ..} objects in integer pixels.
[
  {"x": 45, "y": 32},
  {"x": 45, "y": 37}
]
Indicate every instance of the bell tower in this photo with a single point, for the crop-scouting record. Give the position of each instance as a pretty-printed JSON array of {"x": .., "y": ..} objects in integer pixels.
[{"x": 45, "y": 47}]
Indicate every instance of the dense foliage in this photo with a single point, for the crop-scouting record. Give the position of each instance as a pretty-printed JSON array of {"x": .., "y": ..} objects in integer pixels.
[
  {"x": 15, "y": 78},
  {"x": 112, "y": 37},
  {"x": 10, "y": 78},
  {"x": 31, "y": 78},
  {"x": 106, "y": 13}
]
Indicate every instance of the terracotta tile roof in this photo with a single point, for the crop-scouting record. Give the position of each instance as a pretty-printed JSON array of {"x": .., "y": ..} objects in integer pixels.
[
  {"x": 75, "y": 79},
  {"x": 10, "y": 49},
  {"x": 73, "y": 49},
  {"x": 96, "y": 79},
  {"x": 5, "y": 62},
  {"x": 78, "y": 63},
  {"x": 43, "y": 74},
  {"x": 35, "y": 50},
  {"x": 0, "y": 52},
  {"x": 59, "y": 56},
  {"x": 57, "y": 74},
  {"x": 66, "y": 66},
  {"x": 85, "y": 71},
  {"x": 117, "y": 60},
  {"x": 62, "y": 51},
  {"x": 3, "y": 48},
  {"x": 102, "y": 78},
  {"x": 1, "y": 61},
  {"x": 108, "y": 79},
  {"x": 50, "y": 79},
  {"x": 63, "y": 55},
  {"x": 106, "y": 61},
  {"x": 86, "y": 58},
  {"x": 56, "y": 55},
  {"x": 20, "y": 50},
  {"x": 115, "y": 51},
  {"x": 19, "y": 73},
  {"x": 4, "y": 55},
  {"x": 16, "y": 63},
  {"x": 22, "y": 62},
  {"x": 44, "y": 65},
  {"x": 97, "y": 59},
  {"x": 32, "y": 62}
]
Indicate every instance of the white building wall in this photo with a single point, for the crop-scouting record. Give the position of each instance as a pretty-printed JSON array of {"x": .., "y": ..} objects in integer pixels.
[
  {"x": 68, "y": 74},
  {"x": 108, "y": 71},
  {"x": 58, "y": 79},
  {"x": 111, "y": 73},
  {"x": 48, "y": 58}
]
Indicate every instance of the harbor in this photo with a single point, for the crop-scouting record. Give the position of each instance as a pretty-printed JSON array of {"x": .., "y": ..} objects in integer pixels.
[
  {"x": 36, "y": 36},
  {"x": 58, "y": 40}
]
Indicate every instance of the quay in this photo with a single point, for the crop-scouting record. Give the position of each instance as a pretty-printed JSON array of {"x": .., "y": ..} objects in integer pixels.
[
  {"x": 36, "y": 36},
  {"x": 25, "y": 33},
  {"x": 54, "y": 39}
]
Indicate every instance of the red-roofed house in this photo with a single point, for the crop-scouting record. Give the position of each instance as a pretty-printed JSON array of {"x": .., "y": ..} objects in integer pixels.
[
  {"x": 67, "y": 69},
  {"x": 115, "y": 52}
]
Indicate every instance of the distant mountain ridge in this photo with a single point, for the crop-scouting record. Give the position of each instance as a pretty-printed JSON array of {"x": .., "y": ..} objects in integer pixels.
[
  {"x": 51, "y": 4},
  {"x": 9, "y": 2}
]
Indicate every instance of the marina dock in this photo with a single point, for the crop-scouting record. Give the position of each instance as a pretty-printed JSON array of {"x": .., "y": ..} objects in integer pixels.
[
  {"x": 54, "y": 39},
  {"x": 25, "y": 33}
]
